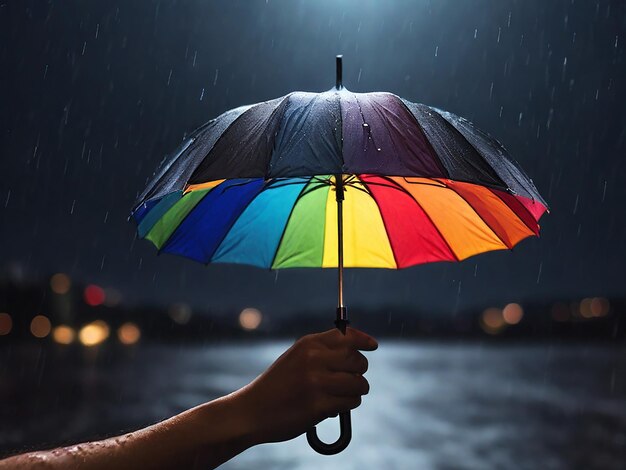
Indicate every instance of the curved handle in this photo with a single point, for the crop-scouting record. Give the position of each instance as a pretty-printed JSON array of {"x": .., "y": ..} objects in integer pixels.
[
  {"x": 345, "y": 425},
  {"x": 339, "y": 445}
]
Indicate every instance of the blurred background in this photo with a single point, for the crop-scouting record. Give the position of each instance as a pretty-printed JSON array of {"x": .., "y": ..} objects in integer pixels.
[{"x": 506, "y": 360}]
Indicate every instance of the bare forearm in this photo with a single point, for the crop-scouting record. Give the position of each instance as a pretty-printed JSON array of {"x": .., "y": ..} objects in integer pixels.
[{"x": 203, "y": 437}]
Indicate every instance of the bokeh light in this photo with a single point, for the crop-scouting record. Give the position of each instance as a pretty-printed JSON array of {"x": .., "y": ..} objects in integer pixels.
[
  {"x": 60, "y": 283},
  {"x": 63, "y": 334},
  {"x": 128, "y": 333},
  {"x": 512, "y": 313},
  {"x": 492, "y": 321},
  {"x": 94, "y": 295},
  {"x": 6, "y": 324},
  {"x": 599, "y": 307},
  {"x": 180, "y": 313},
  {"x": 94, "y": 333},
  {"x": 40, "y": 326},
  {"x": 585, "y": 308},
  {"x": 250, "y": 318}
]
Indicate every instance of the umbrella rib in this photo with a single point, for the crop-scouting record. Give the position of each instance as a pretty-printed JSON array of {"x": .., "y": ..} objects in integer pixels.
[
  {"x": 421, "y": 129},
  {"x": 243, "y": 209},
  {"x": 282, "y": 235},
  {"x": 508, "y": 245},
  {"x": 393, "y": 252},
  {"x": 435, "y": 226},
  {"x": 536, "y": 232}
]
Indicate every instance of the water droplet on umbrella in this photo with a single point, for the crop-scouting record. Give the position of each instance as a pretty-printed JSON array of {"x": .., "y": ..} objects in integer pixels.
[{"x": 365, "y": 124}]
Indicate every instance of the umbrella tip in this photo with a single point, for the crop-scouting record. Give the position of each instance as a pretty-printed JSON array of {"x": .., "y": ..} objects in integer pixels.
[{"x": 338, "y": 83}]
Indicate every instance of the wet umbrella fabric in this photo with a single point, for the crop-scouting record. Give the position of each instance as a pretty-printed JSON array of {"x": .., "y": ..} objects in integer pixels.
[
  {"x": 256, "y": 186},
  {"x": 338, "y": 179}
]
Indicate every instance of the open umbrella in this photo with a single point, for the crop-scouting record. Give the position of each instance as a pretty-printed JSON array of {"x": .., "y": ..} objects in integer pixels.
[{"x": 337, "y": 179}]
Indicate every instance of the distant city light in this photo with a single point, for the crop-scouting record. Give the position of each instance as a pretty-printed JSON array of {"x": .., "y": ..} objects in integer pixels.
[
  {"x": 585, "y": 308},
  {"x": 40, "y": 326},
  {"x": 60, "y": 283},
  {"x": 512, "y": 313},
  {"x": 94, "y": 333},
  {"x": 599, "y": 307},
  {"x": 250, "y": 318},
  {"x": 492, "y": 321},
  {"x": 128, "y": 333},
  {"x": 180, "y": 313},
  {"x": 63, "y": 334},
  {"x": 93, "y": 295},
  {"x": 6, "y": 324}
]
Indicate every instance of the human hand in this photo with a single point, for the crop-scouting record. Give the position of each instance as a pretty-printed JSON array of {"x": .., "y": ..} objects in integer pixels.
[{"x": 320, "y": 376}]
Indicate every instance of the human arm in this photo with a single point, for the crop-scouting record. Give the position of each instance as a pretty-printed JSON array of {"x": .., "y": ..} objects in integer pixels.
[{"x": 319, "y": 376}]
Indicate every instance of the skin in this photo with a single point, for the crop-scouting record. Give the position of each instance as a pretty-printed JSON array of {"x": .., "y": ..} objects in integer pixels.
[{"x": 318, "y": 377}]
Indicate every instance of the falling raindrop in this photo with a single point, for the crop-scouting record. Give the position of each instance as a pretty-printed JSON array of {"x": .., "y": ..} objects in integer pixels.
[
  {"x": 499, "y": 33},
  {"x": 217, "y": 72},
  {"x": 575, "y": 205},
  {"x": 539, "y": 273},
  {"x": 195, "y": 56},
  {"x": 45, "y": 72},
  {"x": 169, "y": 77},
  {"x": 436, "y": 51},
  {"x": 84, "y": 46},
  {"x": 475, "y": 33},
  {"x": 202, "y": 94},
  {"x": 6, "y": 202},
  {"x": 603, "y": 191}
]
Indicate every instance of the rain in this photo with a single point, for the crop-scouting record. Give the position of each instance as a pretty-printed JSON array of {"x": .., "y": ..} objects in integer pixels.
[{"x": 512, "y": 358}]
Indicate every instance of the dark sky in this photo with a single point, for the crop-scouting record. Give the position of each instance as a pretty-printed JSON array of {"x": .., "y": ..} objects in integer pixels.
[{"x": 94, "y": 94}]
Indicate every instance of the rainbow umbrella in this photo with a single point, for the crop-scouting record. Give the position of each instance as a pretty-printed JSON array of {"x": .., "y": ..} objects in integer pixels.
[{"x": 338, "y": 179}]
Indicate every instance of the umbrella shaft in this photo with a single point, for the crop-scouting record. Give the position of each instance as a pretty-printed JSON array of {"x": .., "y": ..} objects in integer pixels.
[{"x": 339, "y": 198}]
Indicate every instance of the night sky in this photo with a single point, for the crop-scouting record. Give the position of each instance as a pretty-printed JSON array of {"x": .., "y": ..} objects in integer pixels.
[{"x": 94, "y": 94}]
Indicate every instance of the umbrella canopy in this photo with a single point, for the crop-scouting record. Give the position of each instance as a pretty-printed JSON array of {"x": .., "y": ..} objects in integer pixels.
[{"x": 256, "y": 186}]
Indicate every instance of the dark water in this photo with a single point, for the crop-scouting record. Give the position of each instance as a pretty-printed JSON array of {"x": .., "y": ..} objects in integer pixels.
[{"x": 431, "y": 406}]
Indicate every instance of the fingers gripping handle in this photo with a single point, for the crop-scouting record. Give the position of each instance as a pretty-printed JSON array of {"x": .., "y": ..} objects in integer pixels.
[{"x": 345, "y": 425}]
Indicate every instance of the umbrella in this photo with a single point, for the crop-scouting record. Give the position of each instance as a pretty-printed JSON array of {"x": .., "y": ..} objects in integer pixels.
[{"x": 337, "y": 179}]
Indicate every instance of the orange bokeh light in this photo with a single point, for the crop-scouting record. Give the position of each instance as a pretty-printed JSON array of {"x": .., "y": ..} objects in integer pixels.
[
  {"x": 250, "y": 318},
  {"x": 128, "y": 333},
  {"x": 513, "y": 313},
  {"x": 60, "y": 283},
  {"x": 492, "y": 321},
  {"x": 40, "y": 326},
  {"x": 63, "y": 334},
  {"x": 6, "y": 324}
]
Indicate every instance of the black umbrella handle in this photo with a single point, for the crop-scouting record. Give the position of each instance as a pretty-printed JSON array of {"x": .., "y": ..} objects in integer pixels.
[{"x": 345, "y": 425}]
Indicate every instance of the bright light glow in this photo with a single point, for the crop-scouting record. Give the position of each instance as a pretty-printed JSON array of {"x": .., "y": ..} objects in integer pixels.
[
  {"x": 250, "y": 318},
  {"x": 93, "y": 295},
  {"x": 94, "y": 333},
  {"x": 492, "y": 321},
  {"x": 6, "y": 324},
  {"x": 513, "y": 313},
  {"x": 40, "y": 326},
  {"x": 128, "y": 333},
  {"x": 180, "y": 313},
  {"x": 63, "y": 334},
  {"x": 60, "y": 283}
]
